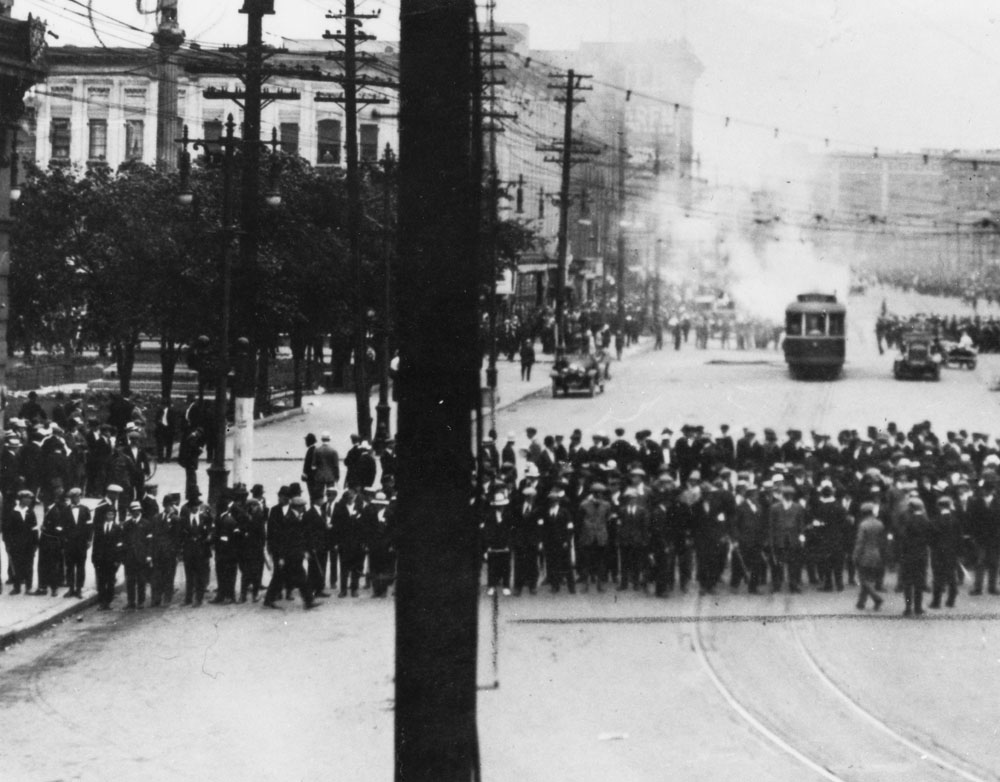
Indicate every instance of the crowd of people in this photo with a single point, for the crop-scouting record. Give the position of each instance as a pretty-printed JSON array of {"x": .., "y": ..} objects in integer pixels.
[
  {"x": 983, "y": 333},
  {"x": 654, "y": 513},
  {"x": 973, "y": 289},
  {"x": 650, "y": 513}
]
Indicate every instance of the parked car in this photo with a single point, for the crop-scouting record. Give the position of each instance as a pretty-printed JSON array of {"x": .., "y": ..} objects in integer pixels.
[{"x": 920, "y": 357}]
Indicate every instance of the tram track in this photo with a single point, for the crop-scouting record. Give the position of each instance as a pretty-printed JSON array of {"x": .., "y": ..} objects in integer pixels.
[
  {"x": 921, "y": 751},
  {"x": 771, "y": 736},
  {"x": 826, "y": 730}
]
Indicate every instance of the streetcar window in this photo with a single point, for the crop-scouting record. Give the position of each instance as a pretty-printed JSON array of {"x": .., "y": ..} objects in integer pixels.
[
  {"x": 793, "y": 324},
  {"x": 837, "y": 324},
  {"x": 815, "y": 324}
]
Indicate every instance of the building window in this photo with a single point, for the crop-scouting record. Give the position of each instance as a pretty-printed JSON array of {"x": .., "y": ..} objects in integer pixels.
[
  {"x": 98, "y": 144},
  {"x": 60, "y": 136},
  {"x": 133, "y": 139},
  {"x": 368, "y": 150},
  {"x": 289, "y": 132},
  {"x": 328, "y": 131}
]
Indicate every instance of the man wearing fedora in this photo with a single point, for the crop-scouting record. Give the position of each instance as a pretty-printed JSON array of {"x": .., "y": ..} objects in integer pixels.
[
  {"x": 109, "y": 545},
  {"x": 558, "y": 526},
  {"x": 195, "y": 529}
]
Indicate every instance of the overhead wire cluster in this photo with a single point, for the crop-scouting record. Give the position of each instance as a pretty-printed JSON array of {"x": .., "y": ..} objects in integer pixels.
[{"x": 525, "y": 96}]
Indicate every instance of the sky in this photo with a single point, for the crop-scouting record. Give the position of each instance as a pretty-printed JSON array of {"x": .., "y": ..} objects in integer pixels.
[{"x": 862, "y": 73}]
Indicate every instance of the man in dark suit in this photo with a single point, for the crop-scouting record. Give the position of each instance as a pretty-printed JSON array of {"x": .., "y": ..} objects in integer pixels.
[
  {"x": 77, "y": 531},
  {"x": 749, "y": 453},
  {"x": 196, "y": 546},
  {"x": 166, "y": 537},
  {"x": 349, "y": 533},
  {"x": 687, "y": 452},
  {"x": 137, "y": 463},
  {"x": 287, "y": 541},
  {"x": 633, "y": 539},
  {"x": 309, "y": 465},
  {"x": 252, "y": 549},
  {"x": 317, "y": 542},
  {"x": 913, "y": 540},
  {"x": 138, "y": 533},
  {"x": 21, "y": 537},
  {"x": 109, "y": 545},
  {"x": 526, "y": 537},
  {"x": 558, "y": 527},
  {"x": 226, "y": 536},
  {"x": 984, "y": 527},
  {"x": 726, "y": 446}
]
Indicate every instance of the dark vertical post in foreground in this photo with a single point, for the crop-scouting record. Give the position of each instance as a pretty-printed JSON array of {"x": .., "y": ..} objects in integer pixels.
[{"x": 436, "y": 269}]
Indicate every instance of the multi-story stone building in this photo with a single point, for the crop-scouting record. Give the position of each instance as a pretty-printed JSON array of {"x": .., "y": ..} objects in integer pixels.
[{"x": 98, "y": 107}]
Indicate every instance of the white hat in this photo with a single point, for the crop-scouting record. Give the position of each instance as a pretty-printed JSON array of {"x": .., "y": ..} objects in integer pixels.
[
  {"x": 114, "y": 487},
  {"x": 325, "y": 437},
  {"x": 365, "y": 445}
]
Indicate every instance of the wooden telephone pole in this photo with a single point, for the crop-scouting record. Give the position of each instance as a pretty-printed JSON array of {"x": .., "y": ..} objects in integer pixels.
[
  {"x": 438, "y": 385},
  {"x": 353, "y": 83}
]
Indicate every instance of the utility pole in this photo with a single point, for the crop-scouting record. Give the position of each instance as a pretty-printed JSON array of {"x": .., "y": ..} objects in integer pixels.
[
  {"x": 491, "y": 118},
  {"x": 167, "y": 39},
  {"x": 218, "y": 364},
  {"x": 566, "y": 149},
  {"x": 352, "y": 83},
  {"x": 252, "y": 97},
  {"x": 438, "y": 273},
  {"x": 622, "y": 161}
]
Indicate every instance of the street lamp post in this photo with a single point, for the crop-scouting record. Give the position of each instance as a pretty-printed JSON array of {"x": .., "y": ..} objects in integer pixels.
[
  {"x": 218, "y": 475},
  {"x": 219, "y": 360}
]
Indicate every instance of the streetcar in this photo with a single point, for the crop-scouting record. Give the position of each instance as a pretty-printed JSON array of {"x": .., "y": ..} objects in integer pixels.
[{"x": 815, "y": 335}]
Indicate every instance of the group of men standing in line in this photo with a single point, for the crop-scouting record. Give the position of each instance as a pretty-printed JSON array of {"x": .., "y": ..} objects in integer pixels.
[
  {"x": 296, "y": 539},
  {"x": 654, "y": 514}
]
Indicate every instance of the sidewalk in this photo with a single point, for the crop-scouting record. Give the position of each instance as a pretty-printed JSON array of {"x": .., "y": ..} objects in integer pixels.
[{"x": 279, "y": 449}]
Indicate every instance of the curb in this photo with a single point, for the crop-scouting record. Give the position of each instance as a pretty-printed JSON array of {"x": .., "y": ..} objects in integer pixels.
[
  {"x": 27, "y": 628},
  {"x": 639, "y": 350},
  {"x": 284, "y": 415}
]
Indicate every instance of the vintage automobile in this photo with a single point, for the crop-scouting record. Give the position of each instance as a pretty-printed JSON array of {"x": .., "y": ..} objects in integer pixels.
[
  {"x": 586, "y": 373},
  {"x": 955, "y": 355},
  {"x": 919, "y": 357}
]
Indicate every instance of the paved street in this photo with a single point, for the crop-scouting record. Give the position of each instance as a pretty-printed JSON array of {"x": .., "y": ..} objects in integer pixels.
[{"x": 613, "y": 686}]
